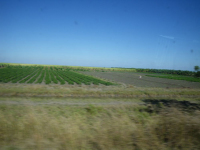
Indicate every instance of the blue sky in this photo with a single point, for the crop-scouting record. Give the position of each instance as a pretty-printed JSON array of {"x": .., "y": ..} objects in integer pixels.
[{"x": 101, "y": 33}]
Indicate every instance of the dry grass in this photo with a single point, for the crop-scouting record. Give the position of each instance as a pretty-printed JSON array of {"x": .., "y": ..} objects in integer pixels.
[
  {"x": 10, "y": 89},
  {"x": 92, "y": 127}
]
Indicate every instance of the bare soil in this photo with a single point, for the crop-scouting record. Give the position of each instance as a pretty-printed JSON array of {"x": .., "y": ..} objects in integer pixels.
[
  {"x": 157, "y": 105},
  {"x": 140, "y": 80}
]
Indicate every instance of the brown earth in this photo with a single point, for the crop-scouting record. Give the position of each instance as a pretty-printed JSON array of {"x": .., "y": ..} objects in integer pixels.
[{"x": 135, "y": 80}]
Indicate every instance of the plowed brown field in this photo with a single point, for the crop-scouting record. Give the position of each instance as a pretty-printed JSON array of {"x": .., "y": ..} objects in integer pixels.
[{"x": 143, "y": 81}]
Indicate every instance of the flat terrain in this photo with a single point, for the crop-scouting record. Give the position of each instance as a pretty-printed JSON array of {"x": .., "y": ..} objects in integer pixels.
[
  {"x": 133, "y": 113},
  {"x": 45, "y": 101},
  {"x": 134, "y": 79}
]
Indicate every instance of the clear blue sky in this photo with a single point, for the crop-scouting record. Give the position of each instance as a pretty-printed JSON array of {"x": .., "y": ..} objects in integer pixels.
[{"x": 162, "y": 34}]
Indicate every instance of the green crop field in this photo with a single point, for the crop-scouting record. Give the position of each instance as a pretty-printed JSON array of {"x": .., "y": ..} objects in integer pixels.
[
  {"x": 177, "y": 77},
  {"x": 45, "y": 74}
]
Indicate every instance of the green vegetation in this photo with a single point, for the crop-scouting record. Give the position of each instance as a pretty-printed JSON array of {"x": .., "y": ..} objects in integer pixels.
[
  {"x": 197, "y": 74},
  {"x": 186, "y": 78},
  {"x": 165, "y": 71},
  {"x": 196, "y": 68},
  {"x": 97, "y": 127},
  {"x": 48, "y": 75}
]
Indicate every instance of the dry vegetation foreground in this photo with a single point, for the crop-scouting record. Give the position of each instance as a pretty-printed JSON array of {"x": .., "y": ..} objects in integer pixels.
[
  {"x": 99, "y": 117},
  {"x": 123, "y": 90},
  {"x": 61, "y": 127}
]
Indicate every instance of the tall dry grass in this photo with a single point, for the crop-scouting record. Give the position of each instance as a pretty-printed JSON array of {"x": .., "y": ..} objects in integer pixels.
[
  {"x": 35, "y": 90},
  {"x": 100, "y": 128}
]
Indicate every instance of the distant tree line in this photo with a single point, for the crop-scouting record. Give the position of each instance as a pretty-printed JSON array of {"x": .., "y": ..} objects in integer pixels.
[
  {"x": 196, "y": 68},
  {"x": 173, "y": 72},
  {"x": 166, "y": 71},
  {"x": 3, "y": 65}
]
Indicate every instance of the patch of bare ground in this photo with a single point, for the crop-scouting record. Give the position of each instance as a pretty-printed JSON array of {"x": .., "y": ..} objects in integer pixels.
[{"x": 140, "y": 80}]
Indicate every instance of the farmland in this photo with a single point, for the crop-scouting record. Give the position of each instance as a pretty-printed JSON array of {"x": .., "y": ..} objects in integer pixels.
[
  {"x": 177, "y": 77},
  {"x": 147, "y": 80},
  {"x": 62, "y": 107},
  {"x": 47, "y": 75}
]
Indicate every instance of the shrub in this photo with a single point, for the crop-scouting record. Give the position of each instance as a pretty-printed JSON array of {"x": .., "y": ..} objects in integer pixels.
[{"x": 197, "y": 74}]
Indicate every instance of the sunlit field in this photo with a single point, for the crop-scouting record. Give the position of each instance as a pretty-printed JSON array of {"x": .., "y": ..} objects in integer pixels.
[{"x": 95, "y": 109}]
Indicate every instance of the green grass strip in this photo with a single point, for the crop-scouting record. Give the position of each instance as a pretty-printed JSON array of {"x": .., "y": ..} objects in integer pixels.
[{"x": 191, "y": 79}]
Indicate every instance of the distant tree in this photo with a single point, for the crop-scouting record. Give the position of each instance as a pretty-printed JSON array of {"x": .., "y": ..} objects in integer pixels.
[
  {"x": 196, "y": 68},
  {"x": 197, "y": 74}
]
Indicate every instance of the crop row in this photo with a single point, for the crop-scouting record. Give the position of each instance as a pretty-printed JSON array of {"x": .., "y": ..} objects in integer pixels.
[
  {"x": 53, "y": 78},
  {"x": 73, "y": 77},
  {"x": 28, "y": 77},
  {"x": 14, "y": 74},
  {"x": 33, "y": 79},
  {"x": 48, "y": 75},
  {"x": 21, "y": 76},
  {"x": 58, "y": 77},
  {"x": 41, "y": 77}
]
